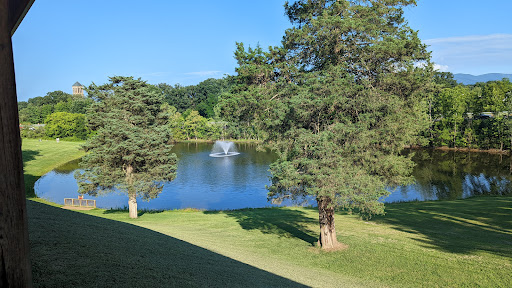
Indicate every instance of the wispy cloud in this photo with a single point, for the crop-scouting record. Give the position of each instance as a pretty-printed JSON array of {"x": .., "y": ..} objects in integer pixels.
[
  {"x": 441, "y": 68},
  {"x": 154, "y": 74},
  {"x": 205, "y": 73},
  {"x": 493, "y": 38},
  {"x": 475, "y": 54},
  {"x": 437, "y": 67}
]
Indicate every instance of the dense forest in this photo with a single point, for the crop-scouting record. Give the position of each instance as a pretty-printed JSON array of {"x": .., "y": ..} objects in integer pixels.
[
  {"x": 462, "y": 116},
  {"x": 192, "y": 109},
  {"x": 470, "y": 116}
]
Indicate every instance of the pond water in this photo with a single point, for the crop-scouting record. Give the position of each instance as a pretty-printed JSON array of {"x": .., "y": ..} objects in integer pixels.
[
  {"x": 217, "y": 183},
  {"x": 450, "y": 175}
]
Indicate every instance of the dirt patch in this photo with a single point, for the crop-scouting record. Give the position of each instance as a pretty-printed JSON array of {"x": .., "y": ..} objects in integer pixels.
[{"x": 339, "y": 247}]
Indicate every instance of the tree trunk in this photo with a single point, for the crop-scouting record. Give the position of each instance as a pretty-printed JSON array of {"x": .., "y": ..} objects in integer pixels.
[
  {"x": 510, "y": 155},
  {"x": 132, "y": 205},
  {"x": 455, "y": 135},
  {"x": 132, "y": 194},
  {"x": 327, "y": 238},
  {"x": 510, "y": 165},
  {"x": 15, "y": 269},
  {"x": 430, "y": 121}
]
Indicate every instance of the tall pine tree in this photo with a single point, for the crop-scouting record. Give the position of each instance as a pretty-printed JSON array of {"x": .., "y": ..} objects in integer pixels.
[
  {"x": 131, "y": 151},
  {"x": 339, "y": 101}
]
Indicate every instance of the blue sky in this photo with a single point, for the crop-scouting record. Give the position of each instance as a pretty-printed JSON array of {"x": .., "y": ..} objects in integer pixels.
[{"x": 61, "y": 41}]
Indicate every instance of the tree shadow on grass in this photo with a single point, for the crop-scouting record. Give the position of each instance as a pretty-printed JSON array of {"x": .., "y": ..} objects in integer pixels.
[
  {"x": 29, "y": 155},
  {"x": 461, "y": 226},
  {"x": 71, "y": 249},
  {"x": 30, "y": 180},
  {"x": 278, "y": 221},
  {"x": 125, "y": 210}
]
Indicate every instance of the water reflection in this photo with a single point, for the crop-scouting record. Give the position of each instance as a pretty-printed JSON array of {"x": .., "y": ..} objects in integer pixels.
[
  {"x": 448, "y": 175},
  {"x": 236, "y": 182},
  {"x": 68, "y": 167}
]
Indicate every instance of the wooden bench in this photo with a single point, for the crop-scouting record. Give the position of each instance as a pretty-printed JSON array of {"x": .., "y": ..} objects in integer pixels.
[{"x": 85, "y": 203}]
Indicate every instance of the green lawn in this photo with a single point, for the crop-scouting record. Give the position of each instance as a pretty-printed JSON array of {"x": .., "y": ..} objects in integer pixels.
[
  {"x": 40, "y": 157},
  {"x": 463, "y": 243}
]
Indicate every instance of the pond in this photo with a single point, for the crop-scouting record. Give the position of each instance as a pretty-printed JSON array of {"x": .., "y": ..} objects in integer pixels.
[{"x": 219, "y": 183}]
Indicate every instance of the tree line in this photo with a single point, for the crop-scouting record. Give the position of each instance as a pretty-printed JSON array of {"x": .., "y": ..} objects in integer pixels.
[
  {"x": 475, "y": 116},
  {"x": 193, "y": 111},
  {"x": 461, "y": 116},
  {"x": 63, "y": 115}
]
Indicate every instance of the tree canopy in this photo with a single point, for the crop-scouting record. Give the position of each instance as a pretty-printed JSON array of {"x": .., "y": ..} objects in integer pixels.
[
  {"x": 202, "y": 97},
  {"x": 131, "y": 150},
  {"x": 338, "y": 100},
  {"x": 37, "y": 109},
  {"x": 64, "y": 124}
]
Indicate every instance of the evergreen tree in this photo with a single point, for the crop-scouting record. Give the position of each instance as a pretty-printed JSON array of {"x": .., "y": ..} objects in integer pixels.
[
  {"x": 131, "y": 150},
  {"x": 338, "y": 101}
]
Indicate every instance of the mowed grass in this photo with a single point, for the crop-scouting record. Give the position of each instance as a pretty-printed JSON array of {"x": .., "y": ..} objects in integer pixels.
[
  {"x": 463, "y": 243},
  {"x": 40, "y": 157}
]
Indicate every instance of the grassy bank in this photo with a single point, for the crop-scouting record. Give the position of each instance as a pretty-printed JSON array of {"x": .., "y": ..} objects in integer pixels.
[
  {"x": 40, "y": 157},
  {"x": 462, "y": 243}
]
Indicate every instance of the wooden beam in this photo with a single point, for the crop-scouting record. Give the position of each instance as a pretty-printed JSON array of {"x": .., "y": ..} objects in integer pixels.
[
  {"x": 15, "y": 268},
  {"x": 17, "y": 11}
]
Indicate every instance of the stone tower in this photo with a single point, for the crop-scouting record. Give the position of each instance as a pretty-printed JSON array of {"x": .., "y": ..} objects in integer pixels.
[{"x": 78, "y": 89}]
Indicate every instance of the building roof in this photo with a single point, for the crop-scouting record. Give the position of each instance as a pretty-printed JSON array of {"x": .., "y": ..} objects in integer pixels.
[{"x": 77, "y": 84}]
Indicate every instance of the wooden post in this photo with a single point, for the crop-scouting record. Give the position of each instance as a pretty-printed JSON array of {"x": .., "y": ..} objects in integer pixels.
[{"x": 15, "y": 269}]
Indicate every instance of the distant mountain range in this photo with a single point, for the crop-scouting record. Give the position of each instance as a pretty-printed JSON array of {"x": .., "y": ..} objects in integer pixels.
[{"x": 468, "y": 79}]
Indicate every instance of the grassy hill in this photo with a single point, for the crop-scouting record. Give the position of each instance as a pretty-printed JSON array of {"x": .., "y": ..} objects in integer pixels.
[{"x": 462, "y": 243}]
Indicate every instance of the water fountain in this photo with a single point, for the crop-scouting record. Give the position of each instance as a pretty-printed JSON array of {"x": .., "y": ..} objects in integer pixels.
[{"x": 223, "y": 149}]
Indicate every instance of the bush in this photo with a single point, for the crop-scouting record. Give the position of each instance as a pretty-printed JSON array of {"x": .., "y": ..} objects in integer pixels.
[
  {"x": 64, "y": 124},
  {"x": 28, "y": 131}
]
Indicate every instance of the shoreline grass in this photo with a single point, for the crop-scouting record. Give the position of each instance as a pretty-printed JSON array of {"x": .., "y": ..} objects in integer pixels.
[
  {"x": 241, "y": 141},
  {"x": 459, "y": 243}
]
